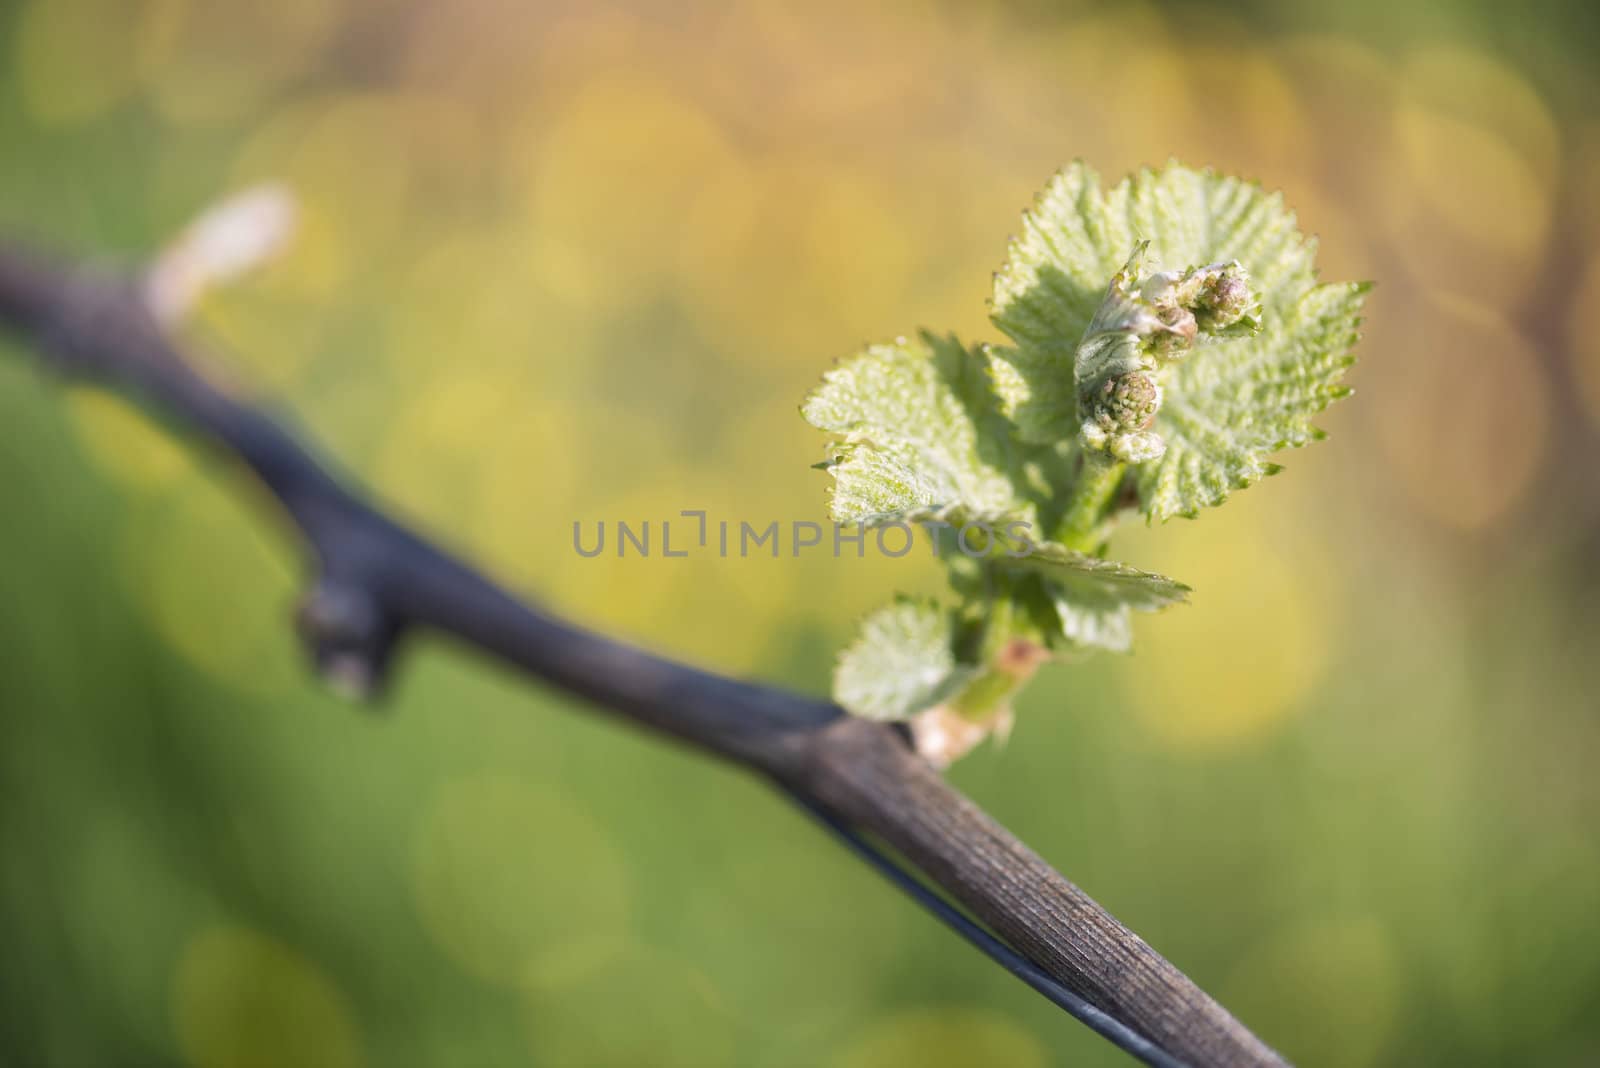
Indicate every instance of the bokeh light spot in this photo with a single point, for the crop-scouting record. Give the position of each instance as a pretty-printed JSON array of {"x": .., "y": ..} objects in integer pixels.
[
  {"x": 267, "y": 329},
  {"x": 675, "y": 1017},
  {"x": 505, "y": 871},
  {"x": 614, "y": 177},
  {"x": 956, "y": 1036},
  {"x": 76, "y": 59},
  {"x": 431, "y": 459},
  {"x": 524, "y": 516},
  {"x": 1237, "y": 662},
  {"x": 1473, "y": 180},
  {"x": 475, "y": 296},
  {"x": 1247, "y": 109},
  {"x": 211, "y": 60},
  {"x": 1480, "y": 89},
  {"x": 124, "y": 442},
  {"x": 218, "y": 585},
  {"x": 347, "y": 157},
  {"x": 824, "y": 253},
  {"x": 1332, "y": 989},
  {"x": 1463, "y": 418},
  {"x": 244, "y": 1000},
  {"x": 1480, "y": 156}
]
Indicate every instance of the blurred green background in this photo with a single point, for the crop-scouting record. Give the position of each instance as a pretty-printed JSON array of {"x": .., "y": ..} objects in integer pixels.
[{"x": 579, "y": 262}]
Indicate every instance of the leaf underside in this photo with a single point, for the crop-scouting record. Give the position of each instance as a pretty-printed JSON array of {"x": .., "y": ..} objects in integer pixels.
[{"x": 1093, "y": 600}]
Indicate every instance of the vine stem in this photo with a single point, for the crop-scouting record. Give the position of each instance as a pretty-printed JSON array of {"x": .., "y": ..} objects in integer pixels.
[
  {"x": 376, "y": 581},
  {"x": 1082, "y": 525}
]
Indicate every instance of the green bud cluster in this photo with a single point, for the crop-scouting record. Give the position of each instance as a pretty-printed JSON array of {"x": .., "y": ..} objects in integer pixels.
[
  {"x": 1141, "y": 328},
  {"x": 1128, "y": 402}
]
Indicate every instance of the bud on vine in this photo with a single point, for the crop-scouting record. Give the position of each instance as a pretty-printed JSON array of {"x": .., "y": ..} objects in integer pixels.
[
  {"x": 1225, "y": 299},
  {"x": 1176, "y": 334},
  {"x": 1152, "y": 375},
  {"x": 1127, "y": 402}
]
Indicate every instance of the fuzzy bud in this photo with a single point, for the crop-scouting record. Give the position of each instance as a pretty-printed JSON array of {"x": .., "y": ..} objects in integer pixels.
[
  {"x": 1176, "y": 334},
  {"x": 1127, "y": 402},
  {"x": 1226, "y": 298}
]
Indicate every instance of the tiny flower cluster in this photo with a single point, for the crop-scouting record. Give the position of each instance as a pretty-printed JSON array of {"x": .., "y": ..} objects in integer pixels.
[{"x": 1140, "y": 330}]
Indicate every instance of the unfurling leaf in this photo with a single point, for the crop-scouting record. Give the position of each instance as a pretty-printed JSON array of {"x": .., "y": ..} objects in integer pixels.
[
  {"x": 917, "y": 433},
  {"x": 1094, "y": 599},
  {"x": 1229, "y": 254},
  {"x": 902, "y": 662}
]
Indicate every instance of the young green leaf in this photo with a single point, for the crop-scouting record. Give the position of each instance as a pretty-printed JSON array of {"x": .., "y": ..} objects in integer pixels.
[
  {"x": 1234, "y": 404},
  {"x": 902, "y": 662},
  {"x": 1094, "y": 599},
  {"x": 1227, "y": 404},
  {"x": 919, "y": 433}
]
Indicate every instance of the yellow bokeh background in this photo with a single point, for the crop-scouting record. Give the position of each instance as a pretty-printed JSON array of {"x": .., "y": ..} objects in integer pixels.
[{"x": 569, "y": 264}]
